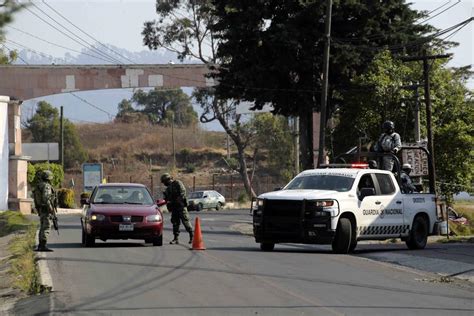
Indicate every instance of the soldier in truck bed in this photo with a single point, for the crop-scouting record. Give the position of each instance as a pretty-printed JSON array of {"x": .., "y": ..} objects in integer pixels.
[{"x": 389, "y": 143}]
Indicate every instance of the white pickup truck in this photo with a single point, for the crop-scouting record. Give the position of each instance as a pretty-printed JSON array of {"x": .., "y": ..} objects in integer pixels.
[{"x": 340, "y": 207}]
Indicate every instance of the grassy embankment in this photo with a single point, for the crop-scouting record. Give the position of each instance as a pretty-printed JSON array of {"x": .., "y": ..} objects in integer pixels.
[
  {"x": 23, "y": 271},
  {"x": 459, "y": 231}
]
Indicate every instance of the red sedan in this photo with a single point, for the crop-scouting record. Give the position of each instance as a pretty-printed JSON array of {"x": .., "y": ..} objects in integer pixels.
[{"x": 121, "y": 211}]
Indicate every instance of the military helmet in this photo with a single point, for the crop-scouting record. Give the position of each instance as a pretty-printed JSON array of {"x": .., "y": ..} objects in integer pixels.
[
  {"x": 388, "y": 125},
  {"x": 47, "y": 175},
  {"x": 406, "y": 166},
  {"x": 165, "y": 177}
]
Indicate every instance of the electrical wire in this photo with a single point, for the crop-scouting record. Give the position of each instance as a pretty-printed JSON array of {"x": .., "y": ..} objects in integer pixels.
[
  {"x": 87, "y": 34},
  {"x": 111, "y": 60},
  {"x": 57, "y": 45},
  {"x": 432, "y": 17}
]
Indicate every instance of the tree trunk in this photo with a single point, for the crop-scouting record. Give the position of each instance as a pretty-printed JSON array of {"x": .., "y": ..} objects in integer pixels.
[{"x": 243, "y": 171}]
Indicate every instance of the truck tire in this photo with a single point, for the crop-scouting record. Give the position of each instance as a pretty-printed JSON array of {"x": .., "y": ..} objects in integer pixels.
[
  {"x": 342, "y": 240},
  {"x": 353, "y": 245},
  {"x": 199, "y": 207},
  {"x": 418, "y": 234},
  {"x": 218, "y": 206},
  {"x": 267, "y": 246}
]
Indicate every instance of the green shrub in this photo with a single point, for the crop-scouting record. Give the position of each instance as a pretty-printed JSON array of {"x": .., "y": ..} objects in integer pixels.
[
  {"x": 35, "y": 170},
  {"x": 243, "y": 198},
  {"x": 190, "y": 167},
  {"x": 66, "y": 198}
]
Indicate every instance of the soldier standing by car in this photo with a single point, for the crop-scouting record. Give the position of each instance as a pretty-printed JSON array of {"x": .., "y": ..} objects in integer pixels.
[
  {"x": 389, "y": 143},
  {"x": 175, "y": 196},
  {"x": 45, "y": 203}
]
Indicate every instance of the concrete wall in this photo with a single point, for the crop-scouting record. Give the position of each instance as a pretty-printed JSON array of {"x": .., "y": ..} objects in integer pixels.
[{"x": 4, "y": 152}]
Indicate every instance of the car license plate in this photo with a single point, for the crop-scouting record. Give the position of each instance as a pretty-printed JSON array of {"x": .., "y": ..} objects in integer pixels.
[{"x": 125, "y": 227}]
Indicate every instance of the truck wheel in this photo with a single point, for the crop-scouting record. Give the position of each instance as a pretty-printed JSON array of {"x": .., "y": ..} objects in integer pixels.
[
  {"x": 158, "y": 241},
  {"x": 267, "y": 246},
  {"x": 418, "y": 234},
  {"x": 342, "y": 241},
  {"x": 353, "y": 245},
  {"x": 88, "y": 240},
  {"x": 218, "y": 206},
  {"x": 199, "y": 207}
]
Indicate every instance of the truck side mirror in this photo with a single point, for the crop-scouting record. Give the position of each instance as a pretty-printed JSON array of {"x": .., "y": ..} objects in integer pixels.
[
  {"x": 277, "y": 189},
  {"x": 85, "y": 201},
  {"x": 366, "y": 192}
]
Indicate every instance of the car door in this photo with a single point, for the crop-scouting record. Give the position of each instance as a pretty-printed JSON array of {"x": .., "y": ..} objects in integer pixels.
[
  {"x": 381, "y": 214},
  {"x": 369, "y": 206}
]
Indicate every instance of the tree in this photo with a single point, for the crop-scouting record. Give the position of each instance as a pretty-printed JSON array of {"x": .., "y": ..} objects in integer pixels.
[
  {"x": 159, "y": 106},
  {"x": 183, "y": 27},
  {"x": 381, "y": 97},
  {"x": 44, "y": 127},
  {"x": 273, "y": 138},
  {"x": 271, "y": 51},
  {"x": 7, "y": 9}
]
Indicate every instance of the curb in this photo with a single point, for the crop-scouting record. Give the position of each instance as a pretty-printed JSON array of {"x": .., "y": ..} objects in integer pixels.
[{"x": 45, "y": 274}]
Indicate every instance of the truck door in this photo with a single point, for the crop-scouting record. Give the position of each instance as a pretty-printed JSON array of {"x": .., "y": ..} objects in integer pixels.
[{"x": 382, "y": 213}]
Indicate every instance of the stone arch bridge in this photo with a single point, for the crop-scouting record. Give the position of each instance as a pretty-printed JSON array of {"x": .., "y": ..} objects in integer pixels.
[{"x": 24, "y": 82}]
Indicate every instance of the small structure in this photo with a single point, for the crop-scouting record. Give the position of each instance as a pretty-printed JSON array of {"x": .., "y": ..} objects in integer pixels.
[{"x": 14, "y": 166}]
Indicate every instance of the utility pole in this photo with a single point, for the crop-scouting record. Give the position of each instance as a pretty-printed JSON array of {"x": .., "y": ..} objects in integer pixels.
[
  {"x": 415, "y": 87},
  {"x": 61, "y": 135},
  {"x": 172, "y": 140},
  {"x": 324, "y": 92},
  {"x": 431, "y": 161},
  {"x": 296, "y": 135}
]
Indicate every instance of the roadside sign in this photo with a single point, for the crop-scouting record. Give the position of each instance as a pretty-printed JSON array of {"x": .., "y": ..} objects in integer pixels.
[
  {"x": 92, "y": 173},
  {"x": 417, "y": 159}
]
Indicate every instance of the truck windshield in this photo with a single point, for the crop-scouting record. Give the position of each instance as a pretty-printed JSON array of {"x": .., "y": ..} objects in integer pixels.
[{"x": 321, "y": 182}]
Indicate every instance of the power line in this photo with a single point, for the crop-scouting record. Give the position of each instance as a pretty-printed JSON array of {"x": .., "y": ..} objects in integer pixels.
[
  {"x": 84, "y": 32},
  {"x": 57, "y": 45},
  {"x": 9, "y": 49},
  {"x": 424, "y": 21},
  {"x": 111, "y": 60},
  {"x": 93, "y": 105}
]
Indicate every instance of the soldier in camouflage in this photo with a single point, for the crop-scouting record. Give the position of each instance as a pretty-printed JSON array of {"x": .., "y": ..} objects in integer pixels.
[
  {"x": 45, "y": 203},
  {"x": 175, "y": 196},
  {"x": 389, "y": 143}
]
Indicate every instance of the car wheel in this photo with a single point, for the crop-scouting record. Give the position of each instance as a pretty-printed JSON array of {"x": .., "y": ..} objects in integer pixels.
[
  {"x": 342, "y": 240},
  {"x": 218, "y": 206},
  {"x": 158, "y": 241},
  {"x": 418, "y": 234},
  {"x": 88, "y": 240},
  {"x": 267, "y": 246},
  {"x": 199, "y": 207}
]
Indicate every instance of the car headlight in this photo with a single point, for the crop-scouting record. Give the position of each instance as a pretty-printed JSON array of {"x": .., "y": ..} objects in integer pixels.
[
  {"x": 98, "y": 217},
  {"x": 154, "y": 218}
]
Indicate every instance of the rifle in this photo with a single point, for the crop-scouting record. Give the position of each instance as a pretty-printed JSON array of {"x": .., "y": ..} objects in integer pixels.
[{"x": 54, "y": 219}]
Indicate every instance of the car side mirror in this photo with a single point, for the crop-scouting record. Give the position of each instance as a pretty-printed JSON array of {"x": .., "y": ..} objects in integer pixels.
[
  {"x": 160, "y": 202},
  {"x": 366, "y": 192},
  {"x": 205, "y": 196},
  {"x": 85, "y": 201}
]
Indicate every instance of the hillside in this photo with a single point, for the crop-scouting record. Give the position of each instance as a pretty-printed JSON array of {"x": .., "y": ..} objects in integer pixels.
[{"x": 141, "y": 153}]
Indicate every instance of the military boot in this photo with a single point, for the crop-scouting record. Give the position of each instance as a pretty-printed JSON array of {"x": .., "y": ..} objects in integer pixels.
[
  {"x": 42, "y": 248},
  {"x": 191, "y": 235},
  {"x": 175, "y": 241}
]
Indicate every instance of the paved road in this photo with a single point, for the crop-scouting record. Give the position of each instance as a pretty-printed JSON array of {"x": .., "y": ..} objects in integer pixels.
[{"x": 233, "y": 277}]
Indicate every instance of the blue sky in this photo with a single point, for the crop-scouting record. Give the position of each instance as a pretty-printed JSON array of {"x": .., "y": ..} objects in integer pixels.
[{"x": 119, "y": 22}]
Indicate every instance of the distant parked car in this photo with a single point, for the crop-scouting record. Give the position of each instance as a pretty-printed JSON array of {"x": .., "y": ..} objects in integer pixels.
[
  {"x": 122, "y": 211},
  {"x": 200, "y": 200}
]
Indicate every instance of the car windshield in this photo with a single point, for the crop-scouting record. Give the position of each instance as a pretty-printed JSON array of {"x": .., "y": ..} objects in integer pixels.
[
  {"x": 321, "y": 182},
  {"x": 196, "y": 195},
  {"x": 122, "y": 195}
]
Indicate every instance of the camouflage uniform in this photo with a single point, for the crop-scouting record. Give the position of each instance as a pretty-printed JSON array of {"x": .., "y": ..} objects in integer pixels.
[
  {"x": 389, "y": 142},
  {"x": 175, "y": 195},
  {"x": 407, "y": 184},
  {"x": 45, "y": 203}
]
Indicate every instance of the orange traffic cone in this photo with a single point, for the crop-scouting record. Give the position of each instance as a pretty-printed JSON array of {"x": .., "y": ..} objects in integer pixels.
[{"x": 198, "y": 243}]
